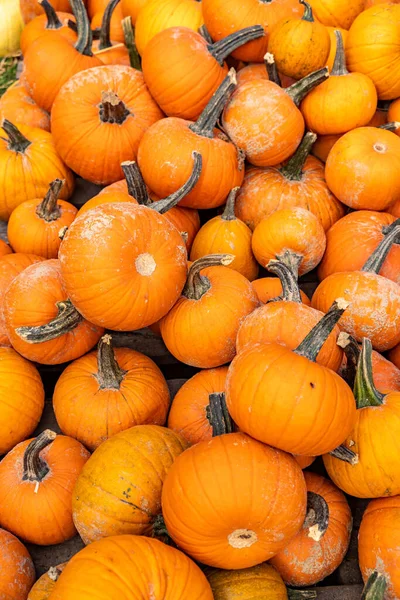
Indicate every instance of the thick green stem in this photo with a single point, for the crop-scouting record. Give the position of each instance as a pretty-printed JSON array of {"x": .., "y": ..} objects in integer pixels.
[
  {"x": 105, "y": 39},
  {"x": 375, "y": 587},
  {"x": 270, "y": 65},
  {"x": 345, "y": 454},
  {"x": 53, "y": 22},
  {"x": 129, "y": 35},
  {"x": 339, "y": 65},
  {"x": 218, "y": 415},
  {"x": 34, "y": 468},
  {"x": 308, "y": 14},
  {"x": 299, "y": 90},
  {"x": 197, "y": 285},
  {"x": 206, "y": 122},
  {"x": 229, "y": 211},
  {"x": 352, "y": 352},
  {"x": 16, "y": 141},
  {"x": 85, "y": 38},
  {"x": 365, "y": 391},
  {"x": 48, "y": 209},
  {"x": 109, "y": 373},
  {"x": 291, "y": 259},
  {"x": 290, "y": 286},
  {"x": 223, "y": 48},
  {"x": 317, "y": 517},
  {"x": 293, "y": 170},
  {"x": 392, "y": 236},
  {"x": 67, "y": 319}
]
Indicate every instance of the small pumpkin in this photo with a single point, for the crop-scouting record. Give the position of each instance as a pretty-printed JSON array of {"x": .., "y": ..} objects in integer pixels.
[
  {"x": 119, "y": 489},
  {"x": 393, "y": 114},
  {"x": 323, "y": 145},
  {"x": 51, "y": 20},
  {"x": 17, "y": 106},
  {"x": 11, "y": 27},
  {"x": 5, "y": 249},
  {"x": 304, "y": 461},
  {"x": 394, "y": 209},
  {"x": 261, "y": 581},
  {"x": 17, "y": 568},
  {"x": 337, "y": 13},
  {"x": 108, "y": 51},
  {"x": 46, "y": 583},
  {"x": 394, "y": 355},
  {"x": 116, "y": 28},
  {"x": 270, "y": 288},
  {"x": 32, "y": 475},
  {"x": 265, "y": 70}
]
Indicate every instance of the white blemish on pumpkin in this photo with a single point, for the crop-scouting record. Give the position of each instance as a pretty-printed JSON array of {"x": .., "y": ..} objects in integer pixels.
[
  {"x": 242, "y": 538},
  {"x": 145, "y": 264}
]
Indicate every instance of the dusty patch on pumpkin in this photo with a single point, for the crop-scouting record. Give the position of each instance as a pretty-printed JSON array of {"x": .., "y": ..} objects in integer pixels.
[
  {"x": 145, "y": 264},
  {"x": 242, "y": 538}
]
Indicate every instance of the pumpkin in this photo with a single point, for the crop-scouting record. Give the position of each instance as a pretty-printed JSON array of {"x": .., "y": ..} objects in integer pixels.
[
  {"x": 333, "y": 48},
  {"x": 292, "y": 235},
  {"x": 112, "y": 99},
  {"x": 131, "y": 8},
  {"x": 254, "y": 527},
  {"x": 166, "y": 147},
  {"x": 180, "y": 50},
  {"x": 11, "y": 27},
  {"x": 393, "y": 114},
  {"x": 21, "y": 399},
  {"x": 119, "y": 489},
  {"x": 41, "y": 322},
  {"x": 261, "y": 581},
  {"x": 310, "y": 412},
  {"x": 5, "y": 249},
  {"x": 102, "y": 393},
  {"x": 221, "y": 17},
  {"x": 156, "y": 16},
  {"x": 226, "y": 233},
  {"x": 351, "y": 241},
  {"x": 34, "y": 225},
  {"x": 375, "y": 300},
  {"x": 51, "y": 60},
  {"x": 394, "y": 209},
  {"x": 378, "y": 545},
  {"x": 35, "y": 474},
  {"x": 28, "y": 161},
  {"x": 380, "y": 61},
  {"x": 109, "y": 52},
  {"x": 51, "y": 20},
  {"x": 287, "y": 321},
  {"x": 265, "y": 70},
  {"x": 17, "y": 106},
  {"x": 342, "y": 102},
  {"x": 214, "y": 301},
  {"x": 16, "y": 566},
  {"x": 323, "y": 145},
  {"x": 270, "y": 288},
  {"x": 301, "y": 182},
  {"x": 96, "y": 6},
  {"x": 304, "y": 461},
  {"x": 46, "y": 583},
  {"x": 337, "y": 13},
  {"x": 31, "y": 8},
  {"x": 189, "y": 414},
  {"x": 116, "y": 29},
  {"x": 299, "y": 46},
  {"x": 394, "y": 355},
  {"x": 361, "y": 169},
  {"x": 369, "y": 3}
]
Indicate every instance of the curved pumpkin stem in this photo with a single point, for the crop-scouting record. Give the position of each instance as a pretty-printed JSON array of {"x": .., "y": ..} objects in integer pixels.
[
  {"x": 317, "y": 517},
  {"x": 352, "y": 352},
  {"x": 293, "y": 170},
  {"x": 85, "y": 38},
  {"x": 34, "y": 468},
  {"x": 290, "y": 286},
  {"x": 203, "y": 31},
  {"x": 270, "y": 65},
  {"x": 109, "y": 373},
  {"x": 67, "y": 319},
  {"x": 299, "y": 90},
  {"x": 104, "y": 39},
  {"x": 313, "y": 342},
  {"x": 129, "y": 36},
  {"x": 223, "y": 48},
  {"x": 308, "y": 13},
  {"x": 339, "y": 65},
  {"x": 375, "y": 587},
  {"x": 392, "y": 235},
  {"x": 53, "y": 22},
  {"x": 229, "y": 210},
  {"x": 16, "y": 141},
  {"x": 135, "y": 182},
  {"x": 218, "y": 415},
  {"x": 365, "y": 391},
  {"x": 48, "y": 209},
  {"x": 206, "y": 122},
  {"x": 393, "y": 126},
  {"x": 197, "y": 285},
  {"x": 345, "y": 454}
]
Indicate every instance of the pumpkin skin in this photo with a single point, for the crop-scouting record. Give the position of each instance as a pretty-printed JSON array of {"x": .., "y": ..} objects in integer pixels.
[
  {"x": 253, "y": 528},
  {"x": 381, "y": 62},
  {"x": 31, "y": 300},
  {"x": 21, "y": 410},
  {"x": 116, "y": 31},
  {"x": 5, "y": 249},
  {"x": 30, "y": 8},
  {"x": 188, "y": 415},
  {"x": 17, "y": 569},
  {"x": 155, "y": 260},
  {"x": 324, "y": 145},
  {"x": 46, "y": 583},
  {"x": 394, "y": 209},
  {"x": 261, "y": 581},
  {"x": 17, "y": 106},
  {"x": 268, "y": 288},
  {"x": 370, "y": 3},
  {"x": 116, "y": 54},
  {"x": 393, "y": 114},
  {"x": 361, "y": 169},
  {"x": 386, "y": 374},
  {"x": 100, "y": 394},
  {"x": 64, "y": 459},
  {"x": 107, "y": 503},
  {"x": 26, "y": 173},
  {"x": 332, "y": 52},
  {"x": 304, "y": 461},
  {"x": 394, "y": 356},
  {"x": 144, "y": 565},
  {"x": 258, "y": 71},
  {"x": 337, "y": 13},
  {"x": 131, "y": 8},
  {"x": 40, "y": 25},
  {"x": 309, "y": 558}
]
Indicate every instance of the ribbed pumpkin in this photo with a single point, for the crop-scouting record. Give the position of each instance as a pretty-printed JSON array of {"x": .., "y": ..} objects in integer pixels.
[
  {"x": 46, "y": 583},
  {"x": 31, "y": 8},
  {"x": 116, "y": 29},
  {"x": 226, "y": 233},
  {"x": 375, "y": 300},
  {"x": 17, "y": 106},
  {"x": 35, "y": 474},
  {"x": 332, "y": 52},
  {"x": 301, "y": 182},
  {"x": 310, "y": 412},
  {"x": 394, "y": 355},
  {"x": 51, "y": 20},
  {"x": 287, "y": 321},
  {"x": 102, "y": 394},
  {"x": 261, "y": 581},
  {"x": 119, "y": 490},
  {"x": 269, "y": 288},
  {"x": 228, "y": 526},
  {"x": 200, "y": 330},
  {"x": 189, "y": 414},
  {"x": 320, "y": 546},
  {"x": 337, "y": 13},
  {"x": 131, "y": 8},
  {"x": 16, "y": 566},
  {"x": 5, "y": 249},
  {"x": 40, "y": 320},
  {"x": 380, "y": 61},
  {"x": 109, "y": 51},
  {"x": 28, "y": 162},
  {"x": 138, "y": 566}
]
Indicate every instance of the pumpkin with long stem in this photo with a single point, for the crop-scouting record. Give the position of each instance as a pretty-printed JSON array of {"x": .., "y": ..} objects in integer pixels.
[
  {"x": 46, "y": 583},
  {"x": 35, "y": 473},
  {"x": 108, "y": 51},
  {"x": 17, "y": 568},
  {"x": 264, "y": 70},
  {"x": 343, "y": 102},
  {"x": 116, "y": 29},
  {"x": 180, "y": 50},
  {"x": 375, "y": 300},
  {"x": 50, "y": 21},
  {"x": 270, "y": 288},
  {"x": 333, "y": 49},
  {"x": 214, "y": 301},
  {"x": 17, "y": 106}
]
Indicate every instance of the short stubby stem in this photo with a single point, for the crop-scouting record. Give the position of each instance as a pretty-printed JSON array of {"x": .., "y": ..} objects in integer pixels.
[{"x": 112, "y": 109}]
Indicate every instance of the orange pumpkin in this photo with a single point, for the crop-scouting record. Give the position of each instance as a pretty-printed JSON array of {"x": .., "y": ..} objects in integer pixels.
[
  {"x": 31, "y": 8},
  {"x": 108, "y": 51},
  {"x": 51, "y": 20},
  {"x": 337, "y": 13},
  {"x": 394, "y": 355},
  {"x": 301, "y": 182},
  {"x": 394, "y": 209},
  {"x": 270, "y": 288},
  {"x": 16, "y": 566},
  {"x": 393, "y": 114},
  {"x": 131, "y": 8},
  {"x": 46, "y": 583},
  {"x": 333, "y": 48},
  {"x": 40, "y": 320},
  {"x": 262, "y": 580},
  {"x": 323, "y": 145},
  {"x": 35, "y": 474},
  {"x": 28, "y": 161},
  {"x": 369, "y": 3},
  {"x": 96, "y": 6},
  {"x": 5, "y": 249},
  {"x": 304, "y": 461},
  {"x": 17, "y": 106},
  {"x": 119, "y": 489},
  {"x": 310, "y": 412},
  {"x": 320, "y": 546},
  {"x": 266, "y": 70},
  {"x": 116, "y": 30}
]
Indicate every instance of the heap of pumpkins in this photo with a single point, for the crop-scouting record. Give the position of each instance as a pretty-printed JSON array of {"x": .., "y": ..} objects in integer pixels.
[{"x": 280, "y": 118}]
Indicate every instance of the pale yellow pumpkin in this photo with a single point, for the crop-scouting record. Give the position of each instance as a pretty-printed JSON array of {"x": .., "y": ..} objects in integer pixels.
[{"x": 11, "y": 25}]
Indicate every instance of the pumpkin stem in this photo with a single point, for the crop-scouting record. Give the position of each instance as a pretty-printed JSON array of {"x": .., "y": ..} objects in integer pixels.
[
  {"x": 308, "y": 13},
  {"x": 67, "y": 319},
  {"x": 290, "y": 259},
  {"x": 270, "y": 65},
  {"x": 160, "y": 531},
  {"x": 105, "y": 40},
  {"x": 53, "y": 22},
  {"x": 378, "y": 257},
  {"x": 375, "y": 587},
  {"x": 352, "y": 352},
  {"x": 34, "y": 468},
  {"x": 290, "y": 286},
  {"x": 345, "y": 454},
  {"x": 317, "y": 517},
  {"x": 365, "y": 391},
  {"x": 229, "y": 211},
  {"x": 135, "y": 182},
  {"x": 203, "y": 31},
  {"x": 197, "y": 285},
  {"x": 313, "y": 342},
  {"x": 109, "y": 373},
  {"x": 393, "y": 126},
  {"x": 16, "y": 141},
  {"x": 54, "y": 573},
  {"x": 206, "y": 122},
  {"x": 301, "y": 594},
  {"x": 112, "y": 109},
  {"x": 85, "y": 38},
  {"x": 293, "y": 169},
  {"x": 218, "y": 415},
  {"x": 223, "y": 48},
  {"x": 48, "y": 209},
  {"x": 339, "y": 65},
  {"x": 129, "y": 35},
  {"x": 297, "y": 91}
]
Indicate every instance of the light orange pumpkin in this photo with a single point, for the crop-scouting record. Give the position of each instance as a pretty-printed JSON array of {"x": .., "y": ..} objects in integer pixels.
[
  {"x": 262, "y": 580},
  {"x": 16, "y": 566},
  {"x": 266, "y": 70},
  {"x": 17, "y": 106},
  {"x": 110, "y": 52},
  {"x": 51, "y": 20},
  {"x": 337, "y": 13}
]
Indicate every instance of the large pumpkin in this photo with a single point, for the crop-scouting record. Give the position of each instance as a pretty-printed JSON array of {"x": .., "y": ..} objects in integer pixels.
[
  {"x": 261, "y": 581},
  {"x": 16, "y": 567}
]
